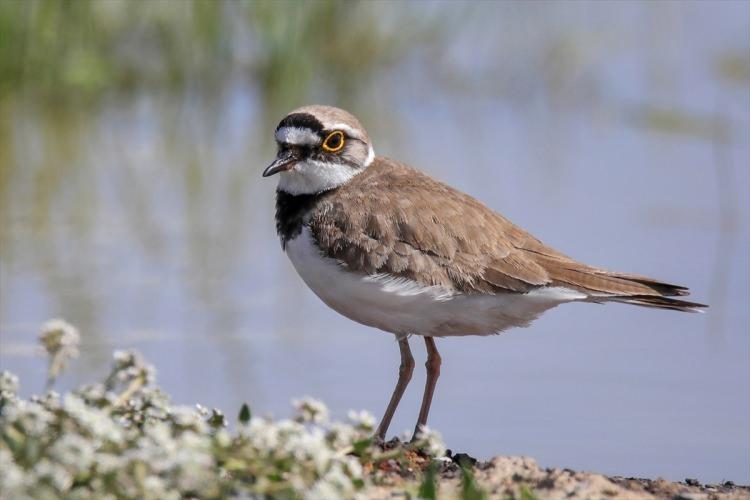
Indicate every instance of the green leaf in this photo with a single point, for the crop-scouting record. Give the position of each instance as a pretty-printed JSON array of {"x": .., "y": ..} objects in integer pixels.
[
  {"x": 217, "y": 419},
  {"x": 527, "y": 494},
  {"x": 244, "y": 416},
  {"x": 469, "y": 488},
  {"x": 428, "y": 488},
  {"x": 361, "y": 445}
]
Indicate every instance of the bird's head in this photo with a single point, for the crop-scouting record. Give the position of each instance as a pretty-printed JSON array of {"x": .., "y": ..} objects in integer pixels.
[{"x": 320, "y": 148}]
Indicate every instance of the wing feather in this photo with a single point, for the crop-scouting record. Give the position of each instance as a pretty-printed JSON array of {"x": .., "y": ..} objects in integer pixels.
[{"x": 394, "y": 220}]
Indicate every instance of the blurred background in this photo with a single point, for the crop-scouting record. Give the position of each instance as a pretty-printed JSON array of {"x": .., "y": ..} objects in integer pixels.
[{"x": 133, "y": 134}]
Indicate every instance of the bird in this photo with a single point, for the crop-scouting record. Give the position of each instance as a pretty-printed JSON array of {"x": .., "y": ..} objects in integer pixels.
[{"x": 388, "y": 246}]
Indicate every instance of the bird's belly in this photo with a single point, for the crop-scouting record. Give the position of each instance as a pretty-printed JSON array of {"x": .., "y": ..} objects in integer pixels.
[{"x": 404, "y": 307}]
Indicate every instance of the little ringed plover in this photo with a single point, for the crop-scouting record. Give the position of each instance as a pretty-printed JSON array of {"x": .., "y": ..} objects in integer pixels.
[{"x": 389, "y": 247}]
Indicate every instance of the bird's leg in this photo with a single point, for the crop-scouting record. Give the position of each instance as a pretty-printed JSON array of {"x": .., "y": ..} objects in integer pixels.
[
  {"x": 433, "y": 372},
  {"x": 404, "y": 376}
]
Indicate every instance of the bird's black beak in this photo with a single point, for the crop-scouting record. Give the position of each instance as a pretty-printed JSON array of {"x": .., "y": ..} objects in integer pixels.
[{"x": 285, "y": 160}]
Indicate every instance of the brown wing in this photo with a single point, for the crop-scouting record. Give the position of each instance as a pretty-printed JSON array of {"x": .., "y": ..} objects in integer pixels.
[{"x": 396, "y": 220}]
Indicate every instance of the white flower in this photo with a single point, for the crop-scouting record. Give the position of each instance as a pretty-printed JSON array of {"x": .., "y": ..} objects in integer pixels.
[
  {"x": 157, "y": 488},
  {"x": 94, "y": 420},
  {"x": 310, "y": 410},
  {"x": 186, "y": 417},
  {"x": 193, "y": 460},
  {"x": 74, "y": 452},
  {"x": 122, "y": 358},
  {"x": 405, "y": 436},
  {"x": 322, "y": 490},
  {"x": 343, "y": 435},
  {"x": 263, "y": 434},
  {"x": 52, "y": 473},
  {"x": 60, "y": 341},
  {"x": 107, "y": 463},
  {"x": 334, "y": 484},
  {"x": 287, "y": 426},
  {"x": 60, "y": 336},
  {"x": 14, "y": 478},
  {"x": 8, "y": 383},
  {"x": 161, "y": 438},
  {"x": 96, "y": 393},
  {"x": 363, "y": 420},
  {"x": 310, "y": 445},
  {"x": 354, "y": 467},
  {"x": 223, "y": 438},
  {"x": 130, "y": 365},
  {"x": 432, "y": 440},
  {"x": 31, "y": 416},
  {"x": 125, "y": 438}
]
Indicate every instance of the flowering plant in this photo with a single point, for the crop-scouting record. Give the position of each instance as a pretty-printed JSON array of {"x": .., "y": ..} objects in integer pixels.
[{"x": 122, "y": 438}]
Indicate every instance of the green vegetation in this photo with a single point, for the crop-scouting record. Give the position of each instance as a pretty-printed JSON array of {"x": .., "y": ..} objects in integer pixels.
[
  {"x": 428, "y": 488},
  {"x": 83, "y": 48},
  {"x": 469, "y": 488}
]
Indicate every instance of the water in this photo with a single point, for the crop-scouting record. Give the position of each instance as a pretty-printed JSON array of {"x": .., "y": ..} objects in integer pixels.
[{"x": 144, "y": 221}]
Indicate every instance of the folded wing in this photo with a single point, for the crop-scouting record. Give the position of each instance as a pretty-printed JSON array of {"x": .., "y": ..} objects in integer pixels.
[{"x": 394, "y": 220}]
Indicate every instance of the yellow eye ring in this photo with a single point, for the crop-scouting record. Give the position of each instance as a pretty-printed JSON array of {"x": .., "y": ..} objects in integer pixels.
[{"x": 334, "y": 142}]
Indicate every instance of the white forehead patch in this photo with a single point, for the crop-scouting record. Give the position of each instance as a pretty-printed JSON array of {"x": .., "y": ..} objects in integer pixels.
[{"x": 297, "y": 136}]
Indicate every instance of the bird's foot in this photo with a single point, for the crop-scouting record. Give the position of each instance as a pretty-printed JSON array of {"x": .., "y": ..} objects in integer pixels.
[{"x": 378, "y": 440}]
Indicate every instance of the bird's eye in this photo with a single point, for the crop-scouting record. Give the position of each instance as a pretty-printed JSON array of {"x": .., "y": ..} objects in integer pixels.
[{"x": 334, "y": 142}]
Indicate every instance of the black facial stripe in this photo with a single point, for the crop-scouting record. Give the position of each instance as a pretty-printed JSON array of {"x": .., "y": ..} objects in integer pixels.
[{"x": 302, "y": 120}]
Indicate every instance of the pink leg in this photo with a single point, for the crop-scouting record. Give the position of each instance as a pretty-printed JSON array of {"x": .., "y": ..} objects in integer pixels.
[
  {"x": 433, "y": 372},
  {"x": 404, "y": 376}
]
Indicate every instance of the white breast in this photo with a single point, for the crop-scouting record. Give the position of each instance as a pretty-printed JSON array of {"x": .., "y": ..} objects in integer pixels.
[{"x": 404, "y": 307}]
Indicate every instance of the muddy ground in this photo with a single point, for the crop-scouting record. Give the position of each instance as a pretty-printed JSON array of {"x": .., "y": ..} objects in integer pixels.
[{"x": 522, "y": 478}]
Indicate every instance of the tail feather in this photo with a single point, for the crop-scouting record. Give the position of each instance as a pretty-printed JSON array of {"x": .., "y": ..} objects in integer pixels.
[
  {"x": 664, "y": 289},
  {"x": 603, "y": 286},
  {"x": 661, "y": 302},
  {"x": 658, "y": 295}
]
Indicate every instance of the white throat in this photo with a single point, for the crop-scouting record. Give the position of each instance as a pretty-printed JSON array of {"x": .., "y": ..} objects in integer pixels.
[{"x": 311, "y": 176}]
